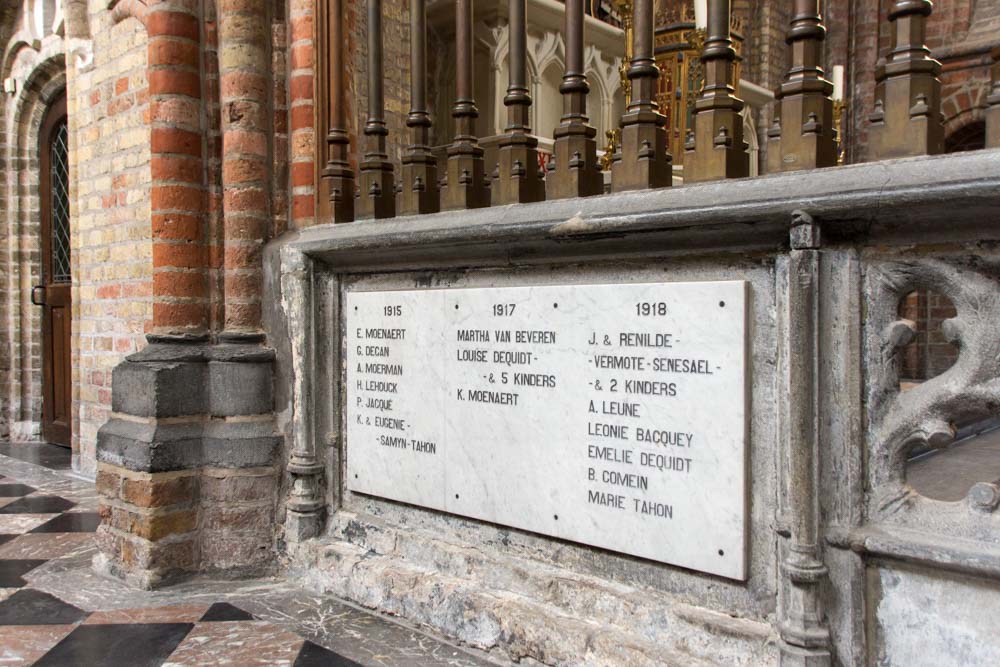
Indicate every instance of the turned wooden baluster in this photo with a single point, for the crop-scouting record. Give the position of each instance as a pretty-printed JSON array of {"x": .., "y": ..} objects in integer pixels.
[
  {"x": 907, "y": 116},
  {"x": 466, "y": 183},
  {"x": 378, "y": 187},
  {"x": 644, "y": 161},
  {"x": 420, "y": 192},
  {"x": 338, "y": 168},
  {"x": 807, "y": 134},
  {"x": 519, "y": 179},
  {"x": 717, "y": 150},
  {"x": 576, "y": 172},
  {"x": 993, "y": 102}
]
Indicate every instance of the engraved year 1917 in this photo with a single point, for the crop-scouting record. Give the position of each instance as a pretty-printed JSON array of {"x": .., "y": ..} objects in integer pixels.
[{"x": 503, "y": 309}]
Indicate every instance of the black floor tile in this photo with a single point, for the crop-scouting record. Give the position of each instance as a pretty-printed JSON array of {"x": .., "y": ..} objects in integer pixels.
[
  {"x": 71, "y": 522},
  {"x": 53, "y": 457},
  {"x": 11, "y": 571},
  {"x": 6, "y": 538},
  {"x": 139, "y": 645},
  {"x": 15, "y": 490},
  {"x": 38, "y": 505},
  {"x": 223, "y": 611},
  {"x": 314, "y": 655},
  {"x": 30, "y": 607}
]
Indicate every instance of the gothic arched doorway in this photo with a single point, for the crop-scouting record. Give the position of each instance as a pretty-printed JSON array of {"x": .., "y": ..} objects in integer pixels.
[{"x": 54, "y": 293}]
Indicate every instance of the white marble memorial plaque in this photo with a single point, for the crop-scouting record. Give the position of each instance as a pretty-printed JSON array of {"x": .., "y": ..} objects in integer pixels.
[{"x": 611, "y": 415}]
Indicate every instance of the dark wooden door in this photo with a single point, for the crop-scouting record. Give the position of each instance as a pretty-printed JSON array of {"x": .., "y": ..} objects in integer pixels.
[{"x": 54, "y": 295}]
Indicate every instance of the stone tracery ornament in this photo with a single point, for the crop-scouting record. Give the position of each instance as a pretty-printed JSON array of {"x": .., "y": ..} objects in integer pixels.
[{"x": 970, "y": 389}]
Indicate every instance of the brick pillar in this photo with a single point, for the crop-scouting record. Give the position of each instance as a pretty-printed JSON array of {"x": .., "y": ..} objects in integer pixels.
[
  {"x": 187, "y": 463},
  {"x": 244, "y": 63},
  {"x": 301, "y": 122},
  {"x": 177, "y": 192}
]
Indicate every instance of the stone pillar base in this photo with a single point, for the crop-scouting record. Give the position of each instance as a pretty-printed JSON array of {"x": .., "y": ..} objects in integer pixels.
[
  {"x": 187, "y": 473},
  {"x": 796, "y": 656}
]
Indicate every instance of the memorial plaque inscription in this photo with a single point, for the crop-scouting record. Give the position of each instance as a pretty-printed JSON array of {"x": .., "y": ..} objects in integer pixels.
[{"x": 610, "y": 415}]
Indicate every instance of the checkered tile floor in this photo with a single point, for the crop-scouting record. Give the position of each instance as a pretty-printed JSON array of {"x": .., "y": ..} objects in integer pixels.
[
  {"x": 47, "y": 522},
  {"x": 38, "y": 628}
]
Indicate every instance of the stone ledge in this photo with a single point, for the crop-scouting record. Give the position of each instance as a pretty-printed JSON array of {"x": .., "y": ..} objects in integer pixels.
[
  {"x": 162, "y": 447},
  {"x": 943, "y": 199},
  {"x": 523, "y": 608}
]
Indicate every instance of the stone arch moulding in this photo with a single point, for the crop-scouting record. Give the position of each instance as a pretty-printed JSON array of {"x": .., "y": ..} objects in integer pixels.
[
  {"x": 44, "y": 80},
  {"x": 956, "y": 114},
  {"x": 968, "y": 123},
  {"x": 21, "y": 40},
  {"x": 545, "y": 49},
  {"x": 123, "y": 9}
]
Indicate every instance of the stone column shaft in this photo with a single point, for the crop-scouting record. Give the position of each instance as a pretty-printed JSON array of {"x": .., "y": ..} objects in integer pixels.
[
  {"x": 305, "y": 507},
  {"x": 805, "y": 637}
]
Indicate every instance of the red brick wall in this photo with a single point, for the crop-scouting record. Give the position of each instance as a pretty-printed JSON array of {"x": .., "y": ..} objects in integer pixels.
[
  {"x": 302, "y": 133},
  {"x": 930, "y": 353}
]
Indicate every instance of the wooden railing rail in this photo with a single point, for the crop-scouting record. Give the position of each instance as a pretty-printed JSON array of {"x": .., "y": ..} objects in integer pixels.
[{"x": 906, "y": 120}]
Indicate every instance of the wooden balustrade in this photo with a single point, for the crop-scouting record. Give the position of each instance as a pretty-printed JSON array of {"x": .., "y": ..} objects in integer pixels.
[
  {"x": 466, "y": 185},
  {"x": 519, "y": 180},
  {"x": 378, "y": 185},
  {"x": 806, "y": 137},
  {"x": 906, "y": 119},
  {"x": 338, "y": 168},
  {"x": 644, "y": 161},
  {"x": 419, "y": 192},
  {"x": 575, "y": 171},
  {"x": 993, "y": 100},
  {"x": 717, "y": 149}
]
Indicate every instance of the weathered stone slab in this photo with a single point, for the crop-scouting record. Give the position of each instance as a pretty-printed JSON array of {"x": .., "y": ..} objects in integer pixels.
[{"x": 611, "y": 415}]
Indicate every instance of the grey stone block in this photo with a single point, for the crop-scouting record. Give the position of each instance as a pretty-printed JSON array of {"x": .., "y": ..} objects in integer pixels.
[
  {"x": 158, "y": 389},
  {"x": 239, "y": 388},
  {"x": 239, "y": 444},
  {"x": 150, "y": 447},
  {"x": 186, "y": 446}
]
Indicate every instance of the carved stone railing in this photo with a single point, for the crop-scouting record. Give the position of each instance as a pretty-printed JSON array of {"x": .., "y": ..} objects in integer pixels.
[{"x": 829, "y": 254}]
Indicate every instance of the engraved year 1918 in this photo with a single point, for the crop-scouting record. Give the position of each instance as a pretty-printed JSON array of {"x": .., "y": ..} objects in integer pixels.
[{"x": 650, "y": 308}]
